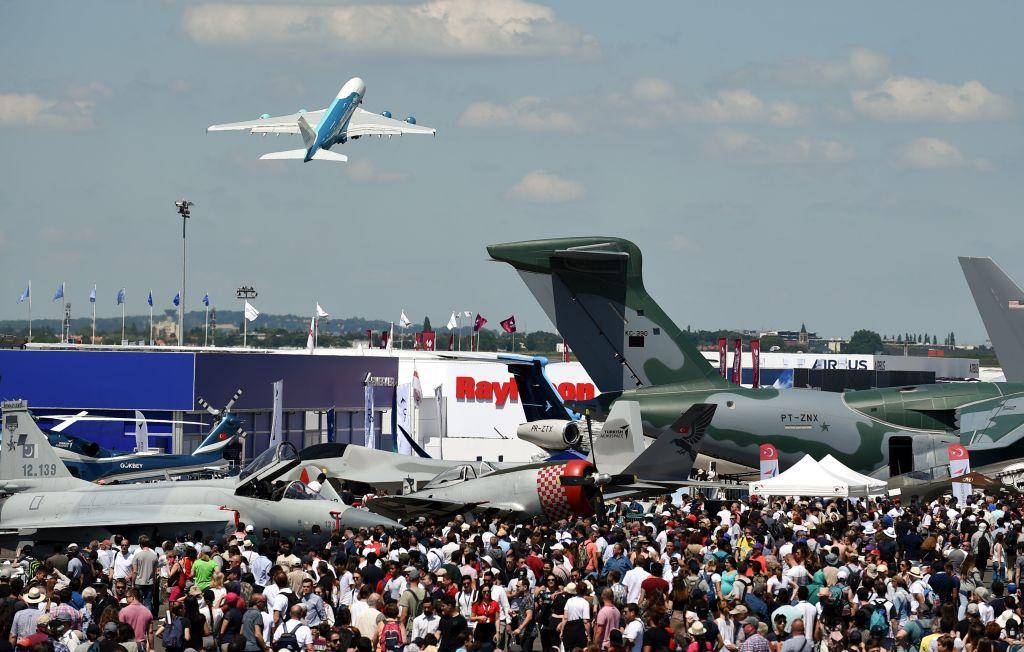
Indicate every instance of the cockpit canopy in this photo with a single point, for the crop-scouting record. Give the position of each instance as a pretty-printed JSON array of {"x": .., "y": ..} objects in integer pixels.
[
  {"x": 270, "y": 462},
  {"x": 461, "y": 473}
]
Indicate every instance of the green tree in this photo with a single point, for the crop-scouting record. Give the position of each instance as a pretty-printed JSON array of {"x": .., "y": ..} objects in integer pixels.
[
  {"x": 426, "y": 325},
  {"x": 864, "y": 341}
]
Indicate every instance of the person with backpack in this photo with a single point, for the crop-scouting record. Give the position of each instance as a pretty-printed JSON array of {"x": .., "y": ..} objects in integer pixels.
[
  {"x": 390, "y": 633},
  {"x": 172, "y": 629},
  {"x": 411, "y": 601},
  {"x": 294, "y": 634}
]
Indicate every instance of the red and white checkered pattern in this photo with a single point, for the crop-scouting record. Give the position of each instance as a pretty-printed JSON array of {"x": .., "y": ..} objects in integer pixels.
[{"x": 553, "y": 500}]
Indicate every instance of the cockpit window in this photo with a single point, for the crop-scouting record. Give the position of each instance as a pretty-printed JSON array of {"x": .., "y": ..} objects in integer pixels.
[
  {"x": 298, "y": 491},
  {"x": 284, "y": 452},
  {"x": 454, "y": 474}
]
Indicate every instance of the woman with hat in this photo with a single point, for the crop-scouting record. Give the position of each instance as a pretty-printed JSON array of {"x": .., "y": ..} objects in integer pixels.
[
  {"x": 575, "y": 625},
  {"x": 698, "y": 638}
]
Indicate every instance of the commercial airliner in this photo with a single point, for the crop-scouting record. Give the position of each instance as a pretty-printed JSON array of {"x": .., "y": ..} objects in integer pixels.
[{"x": 321, "y": 130}]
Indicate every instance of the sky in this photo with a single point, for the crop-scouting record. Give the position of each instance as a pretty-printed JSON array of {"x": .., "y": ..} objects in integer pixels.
[{"x": 777, "y": 163}]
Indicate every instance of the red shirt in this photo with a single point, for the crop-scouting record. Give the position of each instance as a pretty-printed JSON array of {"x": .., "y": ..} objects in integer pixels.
[
  {"x": 487, "y": 608},
  {"x": 536, "y": 564}
]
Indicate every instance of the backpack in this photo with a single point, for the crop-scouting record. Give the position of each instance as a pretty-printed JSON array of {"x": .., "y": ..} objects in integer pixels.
[
  {"x": 391, "y": 637},
  {"x": 879, "y": 618},
  {"x": 292, "y": 599},
  {"x": 853, "y": 579},
  {"x": 174, "y": 633},
  {"x": 983, "y": 548},
  {"x": 932, "y": 601},
  {"x": 288, "y": 640},
  {"x": 416, "y": 607}
]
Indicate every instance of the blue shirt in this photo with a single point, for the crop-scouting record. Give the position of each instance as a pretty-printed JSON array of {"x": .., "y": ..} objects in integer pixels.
[
  {"x": 620, "y": 564},
  {"x": 315, "y": 612},
  {"x": 261, "y": 570}
]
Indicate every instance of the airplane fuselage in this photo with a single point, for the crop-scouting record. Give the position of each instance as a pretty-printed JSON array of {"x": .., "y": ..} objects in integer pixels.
[{"x": 331, "y": 128}]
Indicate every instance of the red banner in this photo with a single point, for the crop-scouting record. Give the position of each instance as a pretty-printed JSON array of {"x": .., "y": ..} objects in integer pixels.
[
  {"x": 427, "y": 340},
  {"x": 369, "y": 338},
  {"x": 737, "y": 361},
  {"x": 384, "y": 335},
  {"x": 479, "y": 323},
  {"x": 566, "y": 353},
  {"x": 755, "y": 359},
  {"x": 721, "y": 356},
  {"x": 509, "y": 325},
  {"x": 451, "y": 342},
  {"x": 417, "y": 343}
]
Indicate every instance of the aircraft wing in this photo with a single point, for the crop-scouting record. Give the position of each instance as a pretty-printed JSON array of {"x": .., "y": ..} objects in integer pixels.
[
  {"x": 163, "y": 515},
  {"x": 284, "y": 124},
  {"x": 406, "y": 507},
  {"x": 364, "y": 123}
]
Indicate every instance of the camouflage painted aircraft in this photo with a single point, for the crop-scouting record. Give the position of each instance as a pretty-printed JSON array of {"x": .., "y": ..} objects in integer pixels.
[{"x": 592, "y": 290}]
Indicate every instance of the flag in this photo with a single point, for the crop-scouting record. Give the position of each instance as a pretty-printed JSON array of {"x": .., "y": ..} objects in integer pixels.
[
  {"x": 755, "y": 359},
  {"x": 277, "y": 415},
  {"x": 177, "y": 298},
  {"x": 403, "y": 418},
  {"x": 391, "y": 337},
  {"x": 959, "y": 466},
  {"x": 509, "y": 325},
  {"x": 384, "y": 339},
  {"x": 369, "y": 422},
  {"x": 320, "y": 312},
  {"x": 92, "y": 295},
  {"x": 451, "y": 342},
  {"x": 439, "y": 400},
  {"x": 737, "y": 361},
  {"x": 141, "y": 433},
  {"x": 453, "y": 322},
  {"x": 417, "y": 387},
  {"x": 26, "y": 294},
  {"x": 427, "y": 340},
  {"x": 467, "y": 314},
  {"x": 403, "y": 321},
  {"x": 479, "y": 323},
  {"x": 769, "y": 461},
  {"x": 309, "y": 337},
  {"x": 250, "y": 312},
  {"x": 206, "y": 300},
  {"x": 59, "y": 294},
  {"x": 149, "y": 299},
  {"x": 721, "y": 356},
  {"x": 120, "y": 296}
]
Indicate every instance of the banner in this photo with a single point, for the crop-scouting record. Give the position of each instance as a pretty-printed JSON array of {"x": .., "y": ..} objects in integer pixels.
[
  {"x": 721, "y": 356},
  {"x": 417, "y": 343},
  {"x": 369, "y": 436},
  {"x": 310, "y": 339},
  {"x": 250, "y": 310},
  {"x": 439, "y": 399},
  {"x": 403, "y": 418},
  {"x": 141, "y": 433},
  {"x": 566, "y": 352},
  {"x": 384, "y": 336},
  {"x": 451, "y": 342},
  {"x": 769, "y": 461},
  {"x": 330, "y": 426},
  {"x": 369, "y": 338},
  {"x": 509, "y": 325},
  {"x": 479, "y": 323},
  {"x": 277, "y": 416},
  {"x": 959, "y": 466},
  {"x": 427, "y": 340},
  {"x": 755, "y": 359},
  {"x": 737, "y": 361}
]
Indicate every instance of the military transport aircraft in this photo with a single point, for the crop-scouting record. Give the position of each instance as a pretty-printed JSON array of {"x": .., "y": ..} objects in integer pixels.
[
  {"x": 592, "y": 290},
  {"x": 1000, "y": 302},
  {"x": 43, "y": 502},
  {"x": 560, "y": 490},
  {"x": 342, "y": 121}
]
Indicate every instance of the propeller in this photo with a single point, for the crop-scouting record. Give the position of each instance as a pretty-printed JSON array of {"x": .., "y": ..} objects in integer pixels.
[
  {"x": 598, "y": 480},
  {"x": 214, "y": 411}
]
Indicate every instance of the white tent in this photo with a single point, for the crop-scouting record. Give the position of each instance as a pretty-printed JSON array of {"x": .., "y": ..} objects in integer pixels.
[
  {"x": 805, "y": 478},
  {"x": 860, "y": 484}
]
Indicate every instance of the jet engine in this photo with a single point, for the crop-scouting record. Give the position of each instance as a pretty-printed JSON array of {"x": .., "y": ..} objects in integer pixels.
[
  {"x": 386, "y": 114},
  {"x": 551, "y": 434},
  {"x": 564, "y": 501},
  {"x": 411, "y": 120}
]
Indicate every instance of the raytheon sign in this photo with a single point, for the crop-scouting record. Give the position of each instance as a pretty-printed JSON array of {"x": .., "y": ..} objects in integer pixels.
[{"x": 468, "y": 388}]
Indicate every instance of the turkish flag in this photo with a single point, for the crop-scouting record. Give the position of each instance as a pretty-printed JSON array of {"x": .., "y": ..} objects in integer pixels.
[
  {"x": 509, "y": 324},
  {"x": 479, "y": 323}
]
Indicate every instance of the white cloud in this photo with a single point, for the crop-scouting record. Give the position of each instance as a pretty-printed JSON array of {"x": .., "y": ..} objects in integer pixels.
[
  {"x": 31, "y": 110},
  {"x": 542, "y": 187},
  {"x": 855, "y": 67},
  {"x": 934, "y": 154},
  {"x": 527, "y": 113},
  {"x": 433, "y": 27},
  {"x": 905, "y": 99},
  {"x": 729, "y": 143},
  {"x": 658, "y": 99},
  {"x": 365, "y": 171}
]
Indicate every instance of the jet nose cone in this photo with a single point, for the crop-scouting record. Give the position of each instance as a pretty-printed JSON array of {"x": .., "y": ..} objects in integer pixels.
[
  {"x": 354, "y": 85},
  {"x": 356, "y": 518}
]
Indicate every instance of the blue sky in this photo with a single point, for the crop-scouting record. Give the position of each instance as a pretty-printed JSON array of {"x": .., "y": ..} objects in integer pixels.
[{"x": 777, "y": 163}]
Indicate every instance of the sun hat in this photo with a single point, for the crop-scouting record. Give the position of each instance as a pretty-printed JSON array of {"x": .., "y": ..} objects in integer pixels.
[
  {"x": 570, "y": 588},
  {"x": 35, "y": 595},
  {"x": 697, "y": 629}
]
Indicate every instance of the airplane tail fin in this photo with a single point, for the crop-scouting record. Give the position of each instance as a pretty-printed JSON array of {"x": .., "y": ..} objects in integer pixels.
[
  {"x": 308, "y": 133},
  {"x": 621, "y": 438},
  {"x": 1001, "y": 304},
  {"x": 27, "y": 459},
  {"x": 300, "y": 154},
  {"x": 670, "y": 458},
  {"x": 222, "y": 434},
  {"x": 539, "y": 398},
  {"x": 592, "y": 290}
]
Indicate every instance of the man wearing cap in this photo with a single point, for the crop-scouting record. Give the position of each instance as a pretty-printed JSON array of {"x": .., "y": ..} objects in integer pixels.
[
  {"x": 25, "y": 621},
  {"x": 753, "y": 640},
  {"x": 411, "y": 600},
  {"x": 203, "y": 568}
]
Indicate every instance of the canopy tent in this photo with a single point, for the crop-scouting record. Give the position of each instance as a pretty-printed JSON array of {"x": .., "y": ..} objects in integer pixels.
[
  {"x": 805, "y": 478},
  {"x": 860, "y": 484}
]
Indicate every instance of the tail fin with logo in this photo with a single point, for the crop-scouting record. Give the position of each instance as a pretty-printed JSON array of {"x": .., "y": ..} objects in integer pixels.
[
  {"x": 27, "y": 460},
  {"x": 1001, "y": 304},
  {"x": 592, "y": 290},
  {"x": 620, "y": 440},
  {"x": 670, "y": 458}
]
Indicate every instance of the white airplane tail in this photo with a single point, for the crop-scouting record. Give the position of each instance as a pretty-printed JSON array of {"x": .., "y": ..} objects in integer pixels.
[
  {"x": 28, "y": 460},
  {"x": 620, "y": 440},
  {"x": 308, "y": 133},
  {"x": 300, "y": 154}
]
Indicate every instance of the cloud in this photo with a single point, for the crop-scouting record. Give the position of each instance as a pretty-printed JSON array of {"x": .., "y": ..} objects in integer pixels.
[
  {"x": 908, "y": 99},
  {"x": 542, "y": 187},
  {"x": 729, "y": 143},
  {"x": 935, "y": 154},
  {"x": 527, "y": 113},
  {"x": 364, "y": 171},
  {"x": 432, "y": 28},
  {"x": 31, "y": 110},
  {"x": 857, "y": 66},
  {"x": 657, "y": 100}
]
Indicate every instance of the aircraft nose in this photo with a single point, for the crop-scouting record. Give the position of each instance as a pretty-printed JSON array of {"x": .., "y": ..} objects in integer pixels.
[
  {"x": 354, "y": 85},
  {"x": 355, "y": 518}
]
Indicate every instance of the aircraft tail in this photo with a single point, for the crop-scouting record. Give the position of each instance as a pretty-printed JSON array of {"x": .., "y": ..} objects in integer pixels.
[
  {"x": 592, "y": 290},
  {"x": 670, "y": 458},
  {"x": 27, "y": 459},
  {"x": 300, "y": 154},
  {"x": 1001, "y": 304},
  {"x": 620, "y": 440},
  {"x": 539, "y": 398},
  {"x": 308, "y": 133},
  {"x": 222, "y": 434}
]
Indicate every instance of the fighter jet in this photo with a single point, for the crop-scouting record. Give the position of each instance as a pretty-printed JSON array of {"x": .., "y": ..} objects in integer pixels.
[
  {"x": 560, "y": 490},
  {"x": 342, "y": 121},
  {"x": 42, "y": 501},
  {"x": 1000, "y": 302},
  {"x": 592, "y": 290}
]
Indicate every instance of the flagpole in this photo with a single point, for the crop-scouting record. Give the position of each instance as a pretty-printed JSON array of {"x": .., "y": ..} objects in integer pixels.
[
  {"x": 93, "y": 340},
  {"x": 122, "y": 322},
  {"x": 206, "y": 328},
  {"x": 30, "y": 310},
  {"x": 151, "y": 323},
  {"x": 316, "y": 331}
]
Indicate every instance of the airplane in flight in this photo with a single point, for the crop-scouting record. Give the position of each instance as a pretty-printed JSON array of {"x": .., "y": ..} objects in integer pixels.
[
  {"x": 1000, "y": 302},
  {"x": 592, "y": 290},
  {"x": 43, "y": 502},
  {"x": 558, "y": 490},
  {"x": 340, "y": 122}
]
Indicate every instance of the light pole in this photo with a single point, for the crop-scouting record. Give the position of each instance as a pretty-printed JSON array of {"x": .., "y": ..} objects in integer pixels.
[
  {"x": 245, "y": 293},
  {"x": 183, "y": 206}
]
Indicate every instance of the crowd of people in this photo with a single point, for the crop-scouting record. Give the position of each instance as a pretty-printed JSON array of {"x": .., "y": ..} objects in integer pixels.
[{"x": 756, "y": 575}]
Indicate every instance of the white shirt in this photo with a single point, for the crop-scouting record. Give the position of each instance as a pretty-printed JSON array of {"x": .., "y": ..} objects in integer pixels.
[
  {"x": 632, "y": 580},
  {"x": 270, "y": 593},
  {"x": 297, "y": 627},
  {"x": 345, "y": 589},
  {"x": 421, "y": 626},
  {"x": 357, "y": 608},
  {"x": 577, "y": 608},
  {"x": 500, "y": 595},
  {"x": 634, "y": 631},
  {"x": 447, "y": 550},
  {"x": 810, "y": 614},
  {"x": 123, "y": 565}
]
